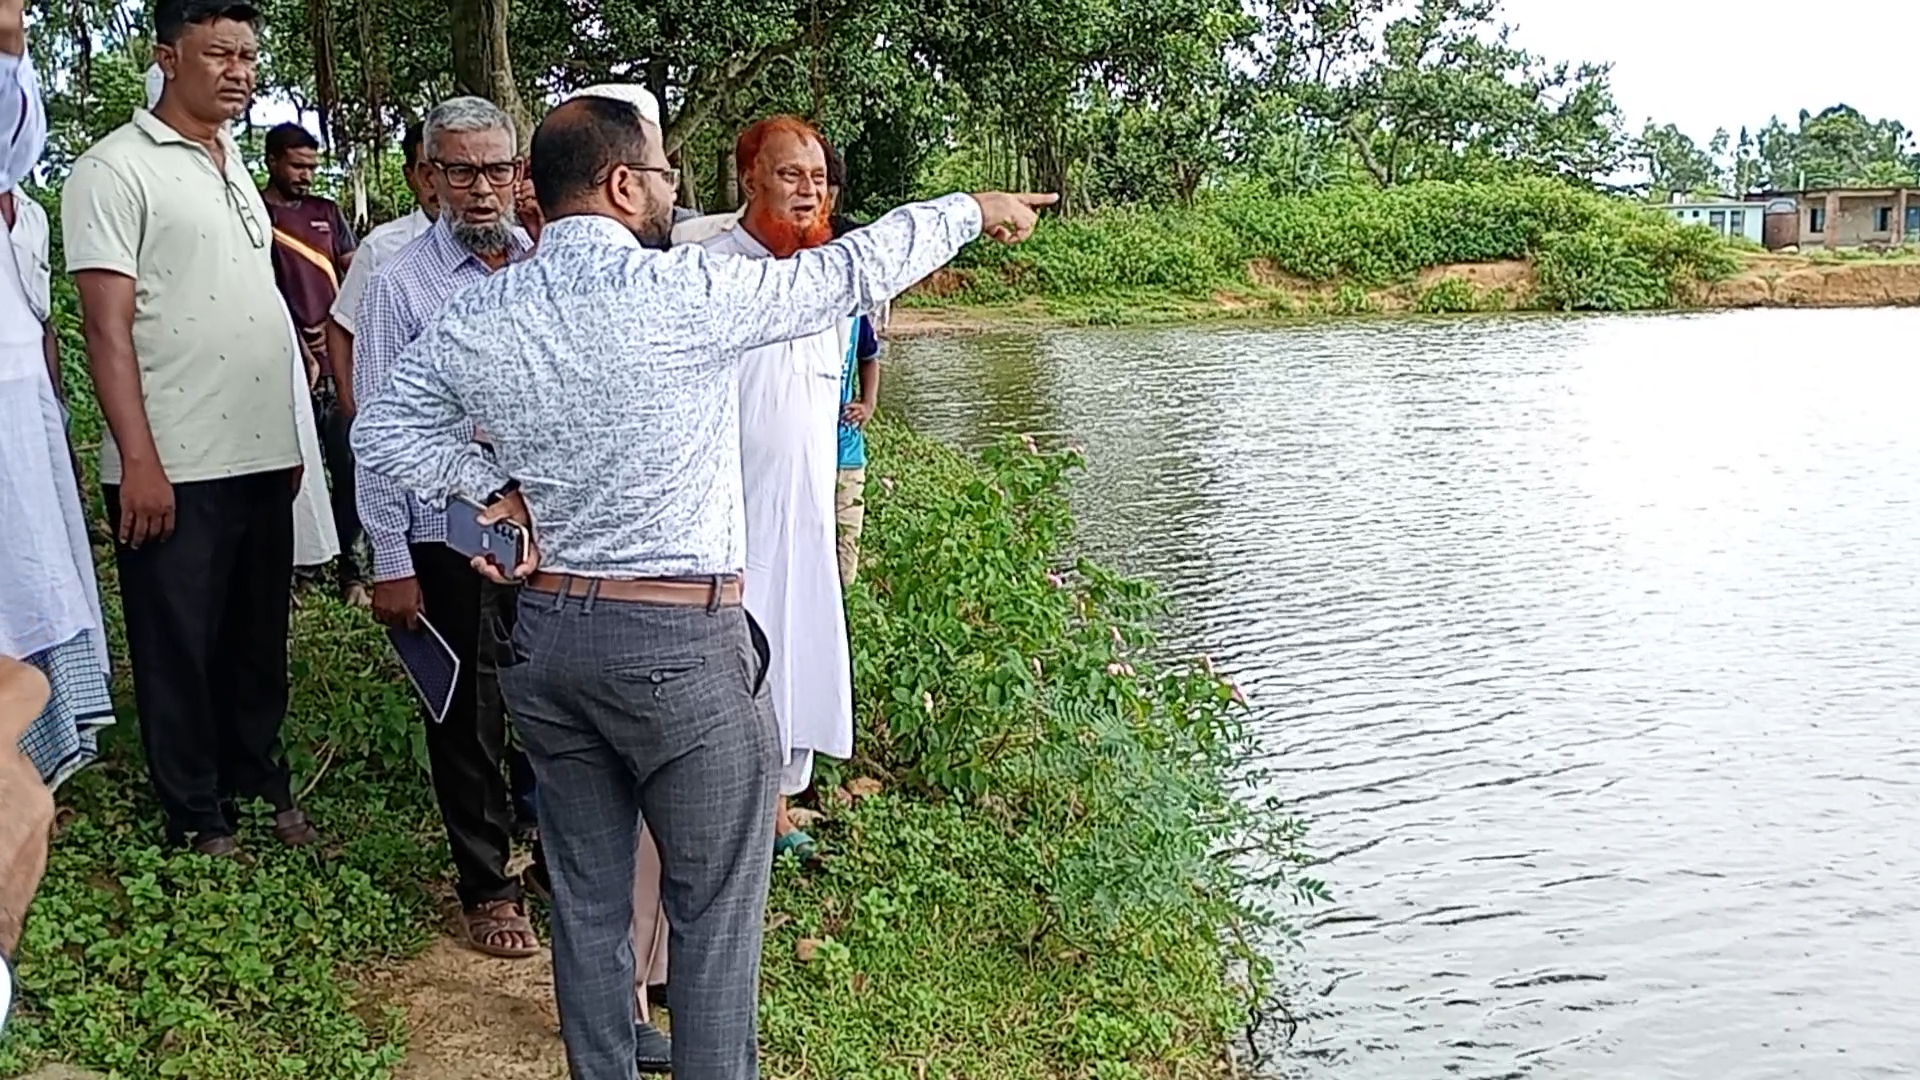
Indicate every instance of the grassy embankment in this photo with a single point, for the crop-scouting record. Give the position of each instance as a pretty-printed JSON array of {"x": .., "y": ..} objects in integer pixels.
[
  {"x": 1531, "y": 245},
  {"x": 1024, "y": 882}
]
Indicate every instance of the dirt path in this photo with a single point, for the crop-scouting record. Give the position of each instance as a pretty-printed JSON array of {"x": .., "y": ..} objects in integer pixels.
[{"x": 470, "y": 1015}]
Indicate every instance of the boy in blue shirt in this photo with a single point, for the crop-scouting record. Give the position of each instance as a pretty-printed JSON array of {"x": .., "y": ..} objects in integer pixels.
[{"x": 859, "y": 393}]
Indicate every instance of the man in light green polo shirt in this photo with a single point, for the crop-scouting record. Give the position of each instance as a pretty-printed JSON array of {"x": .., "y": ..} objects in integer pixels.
[{"x": 187, "y": 340}]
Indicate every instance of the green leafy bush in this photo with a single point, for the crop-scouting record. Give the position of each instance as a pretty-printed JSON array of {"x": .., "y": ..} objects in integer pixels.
[
  {"x": 990, "y": 670},
  {"x": 1449, "y": 296},
  {"x": 1609, "y": 251}
]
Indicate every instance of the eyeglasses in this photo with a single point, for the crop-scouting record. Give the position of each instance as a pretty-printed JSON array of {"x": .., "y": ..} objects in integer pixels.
[
  {"x": 671, "y": 176},
  {"x": 461, "y": 175},
  {"x": 241, "y": 205}
]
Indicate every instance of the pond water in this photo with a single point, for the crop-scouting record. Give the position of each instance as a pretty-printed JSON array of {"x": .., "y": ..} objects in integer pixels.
[{"x": 1589, "y": 647}]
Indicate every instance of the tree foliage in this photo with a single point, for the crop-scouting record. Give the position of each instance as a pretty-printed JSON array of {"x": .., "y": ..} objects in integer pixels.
[{"x": 1109, "y": 102}]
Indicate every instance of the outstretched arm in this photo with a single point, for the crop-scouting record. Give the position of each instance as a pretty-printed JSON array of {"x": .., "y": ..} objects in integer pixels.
[{"x": 755, "y": 302}]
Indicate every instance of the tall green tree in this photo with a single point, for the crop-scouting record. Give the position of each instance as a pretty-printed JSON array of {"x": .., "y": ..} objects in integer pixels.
[
  {"x": 1675, "y": 164},
  {"x": 1441, "y": 91}
]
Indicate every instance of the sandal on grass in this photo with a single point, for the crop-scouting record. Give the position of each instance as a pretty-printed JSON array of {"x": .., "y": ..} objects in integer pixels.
[
  {"x": 799, "y": 843},
  {"x": 492, "y": 921},
  {"x": 217, "y": 845},
  {"x": 292, "y": 828}
]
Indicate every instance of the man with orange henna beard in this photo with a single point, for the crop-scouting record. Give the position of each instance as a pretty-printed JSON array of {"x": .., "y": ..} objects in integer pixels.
[{"x": 789, "y": 461}]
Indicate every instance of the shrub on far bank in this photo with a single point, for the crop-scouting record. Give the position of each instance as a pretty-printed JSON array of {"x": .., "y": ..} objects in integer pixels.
[{"x": 1594, "y": 252}]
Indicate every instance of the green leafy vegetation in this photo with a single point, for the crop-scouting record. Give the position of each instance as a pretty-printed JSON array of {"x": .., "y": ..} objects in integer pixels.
[
  {"x": 1450, "y": 296},
  {"x": 1057, "y": 808},
  {"x": 1593, "y": 252}
]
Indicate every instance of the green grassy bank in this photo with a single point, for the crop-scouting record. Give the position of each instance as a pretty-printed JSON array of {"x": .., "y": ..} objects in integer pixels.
[
  {"x": 1022, "y": 882},
  {"x": 1347, "y": 250}
]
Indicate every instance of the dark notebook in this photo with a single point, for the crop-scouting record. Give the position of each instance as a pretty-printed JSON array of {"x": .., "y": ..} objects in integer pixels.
[{"x": 430, "y": 664}]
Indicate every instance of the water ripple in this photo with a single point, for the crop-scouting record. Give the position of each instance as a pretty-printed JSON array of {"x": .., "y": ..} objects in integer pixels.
[{"x": 1585, "y": 645}]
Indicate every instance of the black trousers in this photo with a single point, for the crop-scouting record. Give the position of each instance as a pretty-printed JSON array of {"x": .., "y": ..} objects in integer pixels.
[
  {"x": 335, "y": 429},
  {"x": 467, "y": 752},
  {"x": 206, "y": 614}
]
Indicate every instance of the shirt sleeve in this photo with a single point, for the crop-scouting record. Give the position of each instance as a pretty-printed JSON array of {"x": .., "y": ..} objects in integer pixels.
[
  {"x": 417, "y": 434},
  {"x": 386, "y": 509},
  {"x": 344, "y": 242},
  {"x": 23, "y": 119},
  {"x": 101, "y": 218},
  {"x": 755, "y": 302},
  {"x": 346, "y": 302}
]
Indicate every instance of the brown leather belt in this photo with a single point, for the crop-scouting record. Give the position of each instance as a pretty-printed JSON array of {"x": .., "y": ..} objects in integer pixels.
[{"x": 680, "y": 592}]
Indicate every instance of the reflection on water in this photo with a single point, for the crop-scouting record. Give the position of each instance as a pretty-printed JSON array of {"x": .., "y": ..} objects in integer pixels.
[{"x": 1590, "y": 648}]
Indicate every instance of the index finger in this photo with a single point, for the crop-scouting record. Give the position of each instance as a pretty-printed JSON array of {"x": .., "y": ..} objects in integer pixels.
[
  {"x": 489, "y": 569},
  {"x": 1038, "y": 199}
]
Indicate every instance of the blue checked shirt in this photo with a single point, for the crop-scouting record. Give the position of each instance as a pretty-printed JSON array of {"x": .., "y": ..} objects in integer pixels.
[
  {"x": 401, "y": 300},
  {"x": 603, "y": 373}
]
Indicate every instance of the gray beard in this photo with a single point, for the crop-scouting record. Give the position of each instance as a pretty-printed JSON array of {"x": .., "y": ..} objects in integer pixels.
[{"x": 491, "y": 239}]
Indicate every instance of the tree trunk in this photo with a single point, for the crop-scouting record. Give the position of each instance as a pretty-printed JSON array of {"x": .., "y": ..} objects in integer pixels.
[
  {"x": 481, "y": 63},
  {"x": 726, "y": 180}
]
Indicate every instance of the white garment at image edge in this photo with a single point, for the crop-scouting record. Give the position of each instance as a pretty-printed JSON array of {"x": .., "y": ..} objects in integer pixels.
[
  {"x": 315, "y": 539},
  {"x": 789, "y": 402}
]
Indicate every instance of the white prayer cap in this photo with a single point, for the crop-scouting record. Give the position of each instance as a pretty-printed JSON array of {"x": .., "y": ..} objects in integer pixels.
[
  {"x": 156, "y": 82},
  {"x": 632, "y": 93}
]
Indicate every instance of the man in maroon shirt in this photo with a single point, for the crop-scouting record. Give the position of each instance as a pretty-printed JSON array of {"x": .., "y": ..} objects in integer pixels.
[{"x": 312, "y": 247}]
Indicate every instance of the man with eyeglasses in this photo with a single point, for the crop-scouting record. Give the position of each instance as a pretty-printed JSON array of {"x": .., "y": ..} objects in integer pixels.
[
  {"x": 188, "y": 343},
  {"x": 469, "y": 150}
]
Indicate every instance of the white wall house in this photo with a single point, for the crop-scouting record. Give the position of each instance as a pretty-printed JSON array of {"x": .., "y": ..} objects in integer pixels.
[{"x": 1729, "y": 219}]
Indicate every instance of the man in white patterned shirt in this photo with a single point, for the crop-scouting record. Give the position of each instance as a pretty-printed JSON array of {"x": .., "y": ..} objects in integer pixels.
[
  {"x": 603, "y": 370},
  {"x": 468, "y": 145}
]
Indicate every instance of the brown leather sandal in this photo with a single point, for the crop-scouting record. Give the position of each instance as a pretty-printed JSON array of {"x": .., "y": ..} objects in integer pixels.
[
  {"x": 219, "y": 845},
  {"x": 493, "y": 919},
  {"x": 292, "y": 828}
]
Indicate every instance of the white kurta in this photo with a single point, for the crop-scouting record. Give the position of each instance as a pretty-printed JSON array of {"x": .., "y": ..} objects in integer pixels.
[
  {"x": 789, "y": 458},
  {"x": 47, "y": 594},
  {"x": 315, "y": 539}
]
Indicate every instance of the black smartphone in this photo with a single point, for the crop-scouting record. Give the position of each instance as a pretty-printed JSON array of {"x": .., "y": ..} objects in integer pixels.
[{"x": 504, "y": 543}]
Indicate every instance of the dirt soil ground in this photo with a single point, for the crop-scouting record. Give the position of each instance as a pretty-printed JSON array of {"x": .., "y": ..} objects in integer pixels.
[{"x": 470, "y": 1015}]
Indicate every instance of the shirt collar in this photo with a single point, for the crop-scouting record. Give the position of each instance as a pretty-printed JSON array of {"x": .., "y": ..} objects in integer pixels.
[
  {"x": 589, "y": 229},
  {"x": 748, "y": 243},
  {"x": 163, "y": 133}
]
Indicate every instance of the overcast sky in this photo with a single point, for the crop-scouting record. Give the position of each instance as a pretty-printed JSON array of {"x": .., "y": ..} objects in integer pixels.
[{"x": 1703, "y": 66}]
